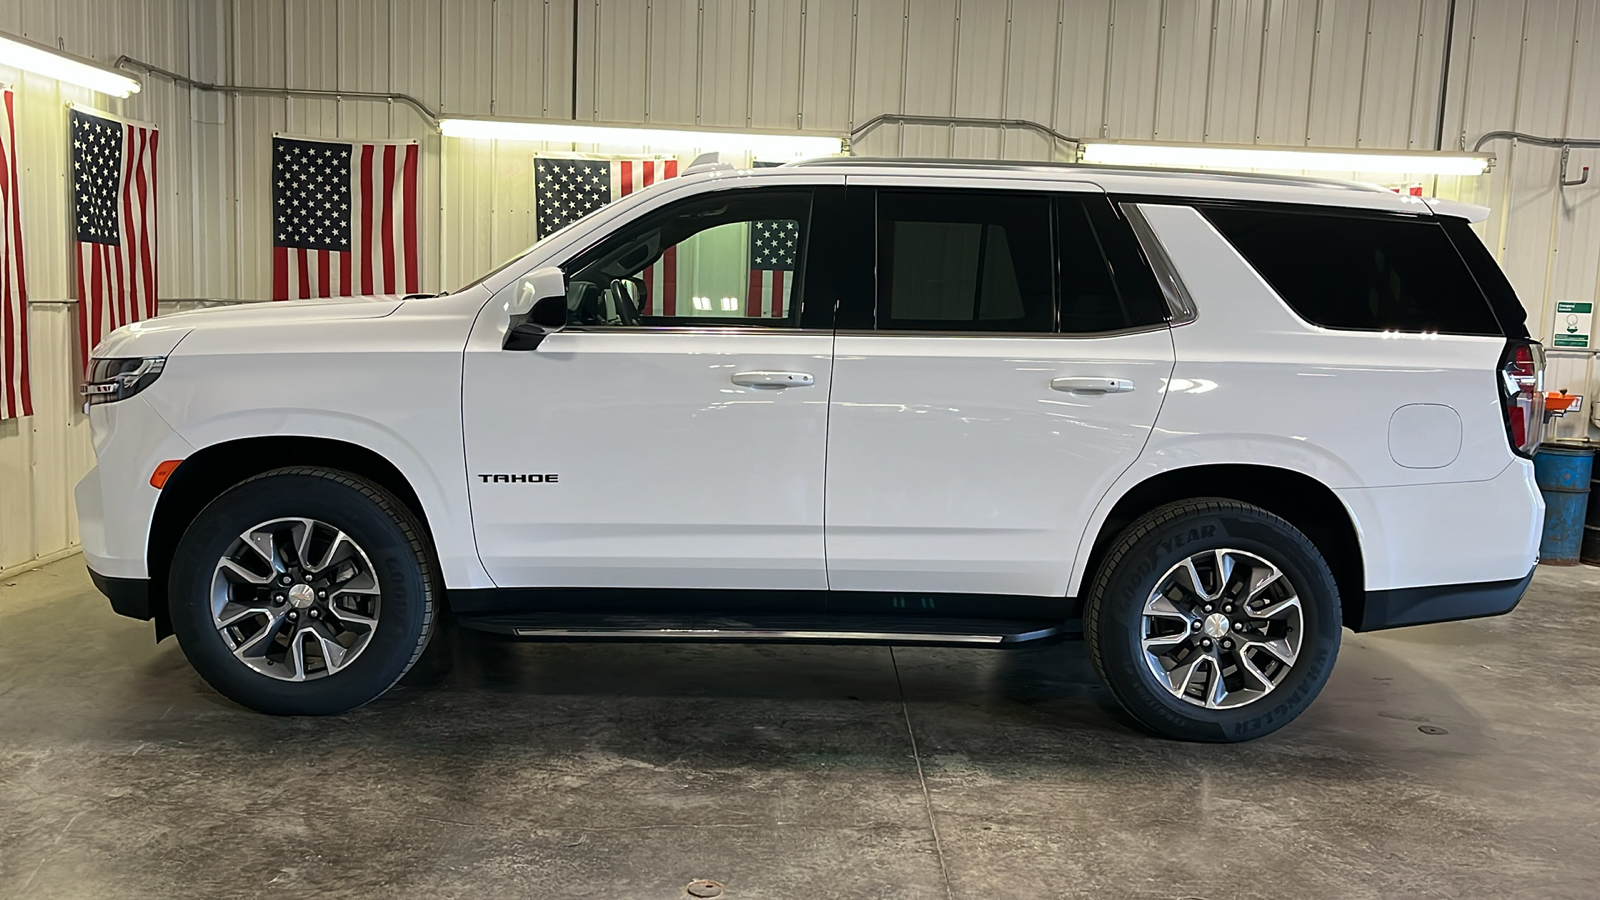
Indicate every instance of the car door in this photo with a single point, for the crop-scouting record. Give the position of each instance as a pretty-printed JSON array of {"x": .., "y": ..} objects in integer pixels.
[
  {"x": 1006, "y": 376},
  {"x": 673, "y": 434}
]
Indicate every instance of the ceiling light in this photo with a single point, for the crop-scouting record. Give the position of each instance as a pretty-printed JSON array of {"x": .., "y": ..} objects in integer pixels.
[
  {"x": 760, "y": 144},
  {"x": 1210, "y": 156},
  {"x": 21, "y": 53}
]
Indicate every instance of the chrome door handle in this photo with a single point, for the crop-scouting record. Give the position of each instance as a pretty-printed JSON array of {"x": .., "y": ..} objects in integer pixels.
[
  {"x": 773, "y": 381},
  {"x": 1081, "y": 385}
]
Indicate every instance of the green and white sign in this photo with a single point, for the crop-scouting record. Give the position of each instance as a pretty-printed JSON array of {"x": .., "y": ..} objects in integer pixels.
[{"x": 1572, "y": 326}]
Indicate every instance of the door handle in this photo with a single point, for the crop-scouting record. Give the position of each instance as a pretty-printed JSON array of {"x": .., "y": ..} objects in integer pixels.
[
  {"x": 1090, "y": 385},
  {"x": 773, "y": 381}
]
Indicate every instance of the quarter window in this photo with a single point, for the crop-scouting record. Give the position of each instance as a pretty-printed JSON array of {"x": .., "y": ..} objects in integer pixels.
[{"x": 1366, "y": 273}]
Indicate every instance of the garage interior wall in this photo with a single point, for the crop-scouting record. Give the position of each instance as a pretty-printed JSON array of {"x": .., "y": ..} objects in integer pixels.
[{"x": 1329, "y": 73}]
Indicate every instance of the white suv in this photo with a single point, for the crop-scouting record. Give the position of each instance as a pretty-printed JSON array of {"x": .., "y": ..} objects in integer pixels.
[{"x": 1202, "y": 420}]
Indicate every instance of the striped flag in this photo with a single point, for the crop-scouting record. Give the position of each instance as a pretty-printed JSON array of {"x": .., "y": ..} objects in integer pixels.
[
  {"x": 565, "y": 190},
  {"x": 114, "y": 213},
  {"x": 774, "y": 245},
  {"x": 344, "y": 218},
  {"x": 16, "y": 397}
]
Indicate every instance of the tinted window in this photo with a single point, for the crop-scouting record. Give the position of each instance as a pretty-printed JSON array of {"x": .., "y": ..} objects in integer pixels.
[
  {"x": 727, "y": 258},
  {"x": 1502, "y": 298},
  {"x": 1092, "y": 299},
  {"x": 964, "y": 261},
  {"x": 1136, "y": 284},
  {"x": 1361, "y": 272}
]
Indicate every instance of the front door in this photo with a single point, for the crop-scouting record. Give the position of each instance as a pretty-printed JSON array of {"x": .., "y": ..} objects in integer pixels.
[
  {"x": 673, "y": 436},
  {"x": 1007, "y": 379}
]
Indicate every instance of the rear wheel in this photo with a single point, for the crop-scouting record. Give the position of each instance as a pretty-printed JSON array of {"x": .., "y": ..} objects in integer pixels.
[
  {"x": 303, "y": 591},
  {"x": 1213, "y": 620}
]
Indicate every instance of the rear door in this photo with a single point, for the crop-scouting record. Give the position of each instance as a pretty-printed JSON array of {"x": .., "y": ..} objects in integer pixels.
[{"x": 994, "y": 382}]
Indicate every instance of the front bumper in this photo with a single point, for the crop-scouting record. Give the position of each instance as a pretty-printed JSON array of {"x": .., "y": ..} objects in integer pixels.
[{"x": 1441, "y": 603}]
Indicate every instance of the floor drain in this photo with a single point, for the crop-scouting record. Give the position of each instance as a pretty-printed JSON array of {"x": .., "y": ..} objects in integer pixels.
[
  {"x": 703, "y": 888},
  {"x": 1431, "y": 729}
]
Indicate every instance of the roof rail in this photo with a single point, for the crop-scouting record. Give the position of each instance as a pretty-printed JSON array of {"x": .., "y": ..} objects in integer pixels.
[{"x": 1056, "y": 167}]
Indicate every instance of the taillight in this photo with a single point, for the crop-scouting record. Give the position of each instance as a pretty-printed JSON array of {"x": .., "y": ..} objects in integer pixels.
[{"x": 1522, "y": 391}]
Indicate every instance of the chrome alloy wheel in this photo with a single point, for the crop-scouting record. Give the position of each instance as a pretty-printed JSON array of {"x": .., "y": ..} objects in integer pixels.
[
  {"x": 295, "y": 599},
  {"x": 1222, "y": 629}
]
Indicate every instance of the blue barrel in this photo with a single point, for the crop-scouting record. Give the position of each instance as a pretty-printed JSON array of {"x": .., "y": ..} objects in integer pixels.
[{"x": 1563, "y": 472}]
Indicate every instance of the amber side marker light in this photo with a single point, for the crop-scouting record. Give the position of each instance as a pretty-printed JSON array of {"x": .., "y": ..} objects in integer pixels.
[{"x": 158, "y": 478}]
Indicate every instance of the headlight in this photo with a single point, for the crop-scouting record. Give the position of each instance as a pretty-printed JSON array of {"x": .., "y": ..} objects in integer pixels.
[{"x": 111, "y": 380}]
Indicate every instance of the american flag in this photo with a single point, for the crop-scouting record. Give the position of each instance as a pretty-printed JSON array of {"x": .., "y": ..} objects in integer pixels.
[
  {"x": 774, "y": 244},
  {"x": 344, "y": 218},
  {"x": 16, "y": 398},
  {"x": 568, "y": 189},
  {"x": 114, "y": 211}
]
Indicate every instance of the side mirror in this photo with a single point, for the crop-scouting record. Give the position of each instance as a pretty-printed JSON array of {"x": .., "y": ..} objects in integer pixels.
[
  {"x": 547, "y": 281},
  {"x": 528, "y": 331}
]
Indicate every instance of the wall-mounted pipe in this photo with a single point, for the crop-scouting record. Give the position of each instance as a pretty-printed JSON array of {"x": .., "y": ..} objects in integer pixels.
[
  {"x": 128, "y": 62},
  {"x": 1565, "y": 143}
]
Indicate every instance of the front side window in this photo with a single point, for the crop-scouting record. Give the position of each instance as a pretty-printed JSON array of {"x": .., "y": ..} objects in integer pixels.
[
  {"x": 730, "y": 258},
  {"x": 964, "y": 261}
]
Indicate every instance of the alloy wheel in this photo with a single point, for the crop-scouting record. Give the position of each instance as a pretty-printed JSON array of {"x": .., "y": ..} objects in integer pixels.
[
  {"x": 1222, "y": 629},
  {"x": 295, "y": 599}
]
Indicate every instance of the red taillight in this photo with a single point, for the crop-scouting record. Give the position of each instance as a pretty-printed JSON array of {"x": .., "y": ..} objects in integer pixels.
[{"x": 1522, "y": 391}]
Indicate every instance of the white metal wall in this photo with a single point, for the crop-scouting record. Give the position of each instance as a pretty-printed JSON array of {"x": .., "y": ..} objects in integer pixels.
[
  {"x": 1339, "y": 73},
  {"x": 43, "y": 456}
]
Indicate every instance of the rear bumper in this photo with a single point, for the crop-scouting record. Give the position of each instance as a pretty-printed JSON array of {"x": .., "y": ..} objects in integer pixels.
[
  {"x": 1441, "y": 603},
  {"x": 129, "y": 596}
]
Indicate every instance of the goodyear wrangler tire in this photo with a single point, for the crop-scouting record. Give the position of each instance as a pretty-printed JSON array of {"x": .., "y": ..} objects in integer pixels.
[
  {"x": 1213, "y": 620},
  {"x": 303, "y": 591}
]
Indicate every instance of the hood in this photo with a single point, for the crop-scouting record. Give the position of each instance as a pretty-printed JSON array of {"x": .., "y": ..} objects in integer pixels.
[{"x": 159, "y": 336}]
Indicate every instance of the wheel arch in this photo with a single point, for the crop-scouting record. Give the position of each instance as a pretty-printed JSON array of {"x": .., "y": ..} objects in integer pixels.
[
  {"x": 1303, "y": 501},
  {"x": 205, "y": 474}
]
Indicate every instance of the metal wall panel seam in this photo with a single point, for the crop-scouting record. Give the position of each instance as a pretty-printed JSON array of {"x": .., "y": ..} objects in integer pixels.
[
  {"x": 1211, "y": 74},
  {"x": 1261, "y": 70},
  {"x": 1416, "y": 80},
  {"x": 1511, "y": 152},
  {"x": 955, "y": 80},
  {"x": 1554, "y": 245},
  {"x": 1161, "y": 60},
  {"x": 1311, "y": 84},
  {"x": 1105, "y": 84},
  {"x": 905, "y": 66},
  {"x": 1361, "y": 92}
]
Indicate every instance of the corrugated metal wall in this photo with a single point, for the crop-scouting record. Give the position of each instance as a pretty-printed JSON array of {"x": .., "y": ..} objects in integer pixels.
[
  {"x": 42, "y": 457},
  {"x": 1338, "y": 73}
]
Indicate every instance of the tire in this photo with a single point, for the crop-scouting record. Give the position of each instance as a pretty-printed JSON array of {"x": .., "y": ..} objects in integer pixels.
[
  {"x": 368, "y": 610},
  {"x": 1121, "y": 613}
]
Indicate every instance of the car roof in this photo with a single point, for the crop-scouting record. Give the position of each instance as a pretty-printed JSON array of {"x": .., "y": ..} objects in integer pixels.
[{"x": 1150, "y": 184}]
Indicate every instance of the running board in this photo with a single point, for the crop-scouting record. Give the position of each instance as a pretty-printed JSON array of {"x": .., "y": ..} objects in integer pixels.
[{"x": 821, "y": 629}]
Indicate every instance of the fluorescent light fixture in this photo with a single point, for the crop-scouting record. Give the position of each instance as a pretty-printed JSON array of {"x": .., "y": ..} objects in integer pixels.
[
  {"x": 21, "y": 53},
  {"x": 1213, "y": 156},
  {"x": 762, "y": 144}
]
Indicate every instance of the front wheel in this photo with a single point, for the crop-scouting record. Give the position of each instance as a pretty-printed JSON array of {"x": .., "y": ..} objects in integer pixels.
[
  {"x": 303, "y": 591},
  {"x": 1213, "y": 620}
]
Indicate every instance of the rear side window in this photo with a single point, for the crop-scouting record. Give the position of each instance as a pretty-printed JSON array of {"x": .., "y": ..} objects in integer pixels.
[
  {"x": 1365, "y": 273},
  {"x": 953, "y": 261},
  {"x": 1105, "y": 283}
]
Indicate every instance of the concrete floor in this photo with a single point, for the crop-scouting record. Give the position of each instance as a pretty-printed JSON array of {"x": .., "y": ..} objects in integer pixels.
[{"x": 785, "y": 772}]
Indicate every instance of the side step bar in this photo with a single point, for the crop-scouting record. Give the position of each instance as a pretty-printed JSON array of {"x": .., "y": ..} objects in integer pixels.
[{"x": 839, "y": 629}]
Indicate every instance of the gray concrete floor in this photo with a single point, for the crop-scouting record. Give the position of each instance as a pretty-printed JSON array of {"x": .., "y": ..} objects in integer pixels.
[{"x": 784, "y": 772}]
